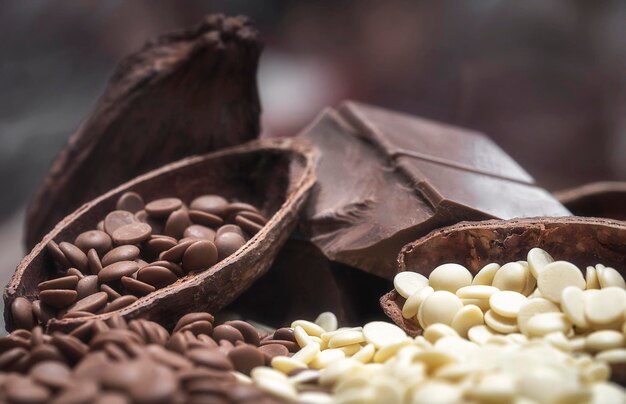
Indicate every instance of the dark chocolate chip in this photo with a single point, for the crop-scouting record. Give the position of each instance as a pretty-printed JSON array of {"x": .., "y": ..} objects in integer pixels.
[
  {"x": 115, "y": 271},
  {"x": 249, "y": 226},
  {"x": 65, "y": 282},
  {"x": 246, "y": 357},
  {"x": 130, "y": 201},
  {"x": 93, "y": 261},
  {"x": 58, "y": 298},
  {"x": 112, "y": 293},
  {"x": 57, "y": 255},
  {"x": 175, "y": 254},
  {"x": 120, "y": 303},
  {"x": 161, "y": 208},
  {"x": 228, "y": 333},
  {"x": 210, "y": 358},
  {"x": 74, "y": 255},
  {"x": 250, "y": 334},
  {"x": 87, "y": 286},
  {"x": 213, "y": 204},
  {"x": 200, "y": 255},
  {"x": 230, "y": 228},
  {"x": 199, "y": 232},
  {"x": 116, "y": 219},
  {"x": 96, "y": 239},
  {"x": 157, "y": 276},
  {"x": 228, "y": 243},
  {"x": 193, "y": 317},
  {"x": 121, "y": 253},
  {"x": 156, "y": 245},
  {"x": 22, "y": 312},
  {"x": 136, "y": 287},
  {"x": 176, "y": 223},
  {"x": 272, "y": 350},
  {"x": 91, "y": 303},
  {"x": 134, "y": 233},
  {"x": 52, "y": 374},
  {"x": 205, "y": 219}
]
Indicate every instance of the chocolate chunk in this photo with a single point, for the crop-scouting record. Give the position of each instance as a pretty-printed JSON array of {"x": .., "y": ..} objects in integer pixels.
[
  {"x": 401, "y": 177},
  {"x": 96, "y": 239},
  {"x": 134, "y": 233},
  {"x": 200, "y": 255},
  {"x": 130, "y": 201},
  {"x": 228, "y": 243}
]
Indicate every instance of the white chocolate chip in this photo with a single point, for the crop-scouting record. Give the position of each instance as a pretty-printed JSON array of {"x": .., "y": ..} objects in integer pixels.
[
  {"x": 466, "y": 318},
  {"x": 439, "y": 307},
  {"x": 573, "y": 305},
  {"x": 494, "y": 388},
  {"x": 499, "y": 323},
  {"x": 507, "y": 303},
  {"x": 613, "y": 356},
  {"x": 591, "y": 278},
  {"x": 380, "y": 333},
  {"x": 605, "y": 306},
  {"x": 335, "y": 371},
  {"x": 603, "y": 393},
  {"x": 282, "y": 390},
  {"x": 545, "y": 323},
  {"x": 365, "y": 354},
  {"x": 413, "y": 303},
  {"x": 407, "y": 283},
  {"x": 476, "y": 292},
  {"x": 480, "y": 334},
  {"x": 437, "y": 392},
  {"x": 511, "y": 276},
  {"x": 433, "y": 332},
  {"x": 605, "y": 339},
  {"x": 537, "y": 260},
  {"x": 327, "y": 320},
  {"x": 610, "y": 277},
  {"x": 450, "y": 277},
  {"x": 531, "y": 308},
  {"x": 286, "y": 364},
  {"x": 483, "y": 304},
  {"x": 309, "y": 327},
  {"x": 486, "y": 274},
  {"x": 345, "y": 338},
  {"x": 326, "y": 357},
  {"x": 307, "y": 353},
  {"x": 557, "y": 276}
]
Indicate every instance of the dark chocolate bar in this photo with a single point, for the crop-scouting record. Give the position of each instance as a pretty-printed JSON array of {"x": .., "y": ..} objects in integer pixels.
[{"x": 386, "y": 178}]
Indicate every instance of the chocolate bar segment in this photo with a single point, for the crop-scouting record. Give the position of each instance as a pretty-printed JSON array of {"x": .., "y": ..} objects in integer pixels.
[{"x": 385, "y": 179}]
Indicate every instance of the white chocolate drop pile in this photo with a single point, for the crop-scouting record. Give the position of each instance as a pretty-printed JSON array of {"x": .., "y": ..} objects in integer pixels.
[{"x": 524, "y": 332}]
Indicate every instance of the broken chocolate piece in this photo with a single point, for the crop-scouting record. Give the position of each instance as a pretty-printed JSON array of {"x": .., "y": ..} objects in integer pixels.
[
  {"x": 385, "y": 179},
  {"x": 598, "y": 199},
  {"x": 185, "y": 93}
]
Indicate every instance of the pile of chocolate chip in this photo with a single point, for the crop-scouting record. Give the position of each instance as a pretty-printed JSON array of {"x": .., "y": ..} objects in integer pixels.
[
  {"x": 137, "y": 249},
  {"x": 139, "y": 361}
]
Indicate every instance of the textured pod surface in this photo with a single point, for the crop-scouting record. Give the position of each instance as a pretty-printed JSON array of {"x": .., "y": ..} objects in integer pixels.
[
  {"x": 582, "y": 241},
  {"x": 185, "y": 93},
  {"x": 275, "y": 175}
]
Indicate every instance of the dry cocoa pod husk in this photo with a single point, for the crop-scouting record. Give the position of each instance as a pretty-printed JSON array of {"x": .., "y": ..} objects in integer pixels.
[
  {"x": 597, "y": 199},
  {"x": 580, "y": 240},
  {"x": 274, "y": 175},
  {"x": 185, "y": 93}
]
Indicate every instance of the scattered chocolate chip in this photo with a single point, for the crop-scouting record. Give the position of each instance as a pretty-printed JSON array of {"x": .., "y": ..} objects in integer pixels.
[
  {"x": 246, "y": 357},
  {"x": 22, "y": 312},
  {"x": 163, "y": 207},
  {"x": 157, "y": 276},
  {"x": 134, "y": 233},
  {"x": 199, "y": 255},
  {"x": 96, "y": 239},
  {"x": 199, "y": 231},
  {"x": 205, "y": 219},
  {"x": 115, "y": 271},
  {"x": 74, "y": 255},
  {"x": 176, "y": 223},
  {"x": 130, "y": 201},
  {"x": 228, "y": 333},
  {"x": 213, "y": 204},
  {"x": 116, "y": 219},
  {"x": 91, "y": 303},
  {"x": 87, "y": 286},
  {"x": 137, "y": 287},
  {"x": 228, "y": 243},
  {"x": 58, "y": 298},
  {"x": 121, "y": 253},
  {"x": 65, "y": 282}
]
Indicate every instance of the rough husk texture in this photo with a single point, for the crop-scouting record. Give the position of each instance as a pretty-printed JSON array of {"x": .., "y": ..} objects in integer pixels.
[
  {"x": 185, "y": 93},
  {"x": 275, "y": 175},
  {"x": 583, "y": 241}
]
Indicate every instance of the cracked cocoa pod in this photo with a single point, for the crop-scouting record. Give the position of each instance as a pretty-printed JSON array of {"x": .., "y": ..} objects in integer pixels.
[
  {"x": 597, "y": 199},
  {"x": 582, "y": 241},
  {"x": 274, "y": 175},
  {"x": 185, "y": 93}
]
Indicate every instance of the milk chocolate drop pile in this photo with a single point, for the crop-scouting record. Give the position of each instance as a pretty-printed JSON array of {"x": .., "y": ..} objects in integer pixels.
[
  {"x": 139, "y": 362},
  {"x": 135, "y": 250}
]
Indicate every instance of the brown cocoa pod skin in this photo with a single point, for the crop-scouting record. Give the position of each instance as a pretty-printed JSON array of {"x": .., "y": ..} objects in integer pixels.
[
  {"x": 288, "y": 176},
  {"x": 220, "y": 55}
]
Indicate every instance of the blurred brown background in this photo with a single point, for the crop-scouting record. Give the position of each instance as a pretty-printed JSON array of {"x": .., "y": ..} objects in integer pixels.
[{"x": 545, "y": 79}]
